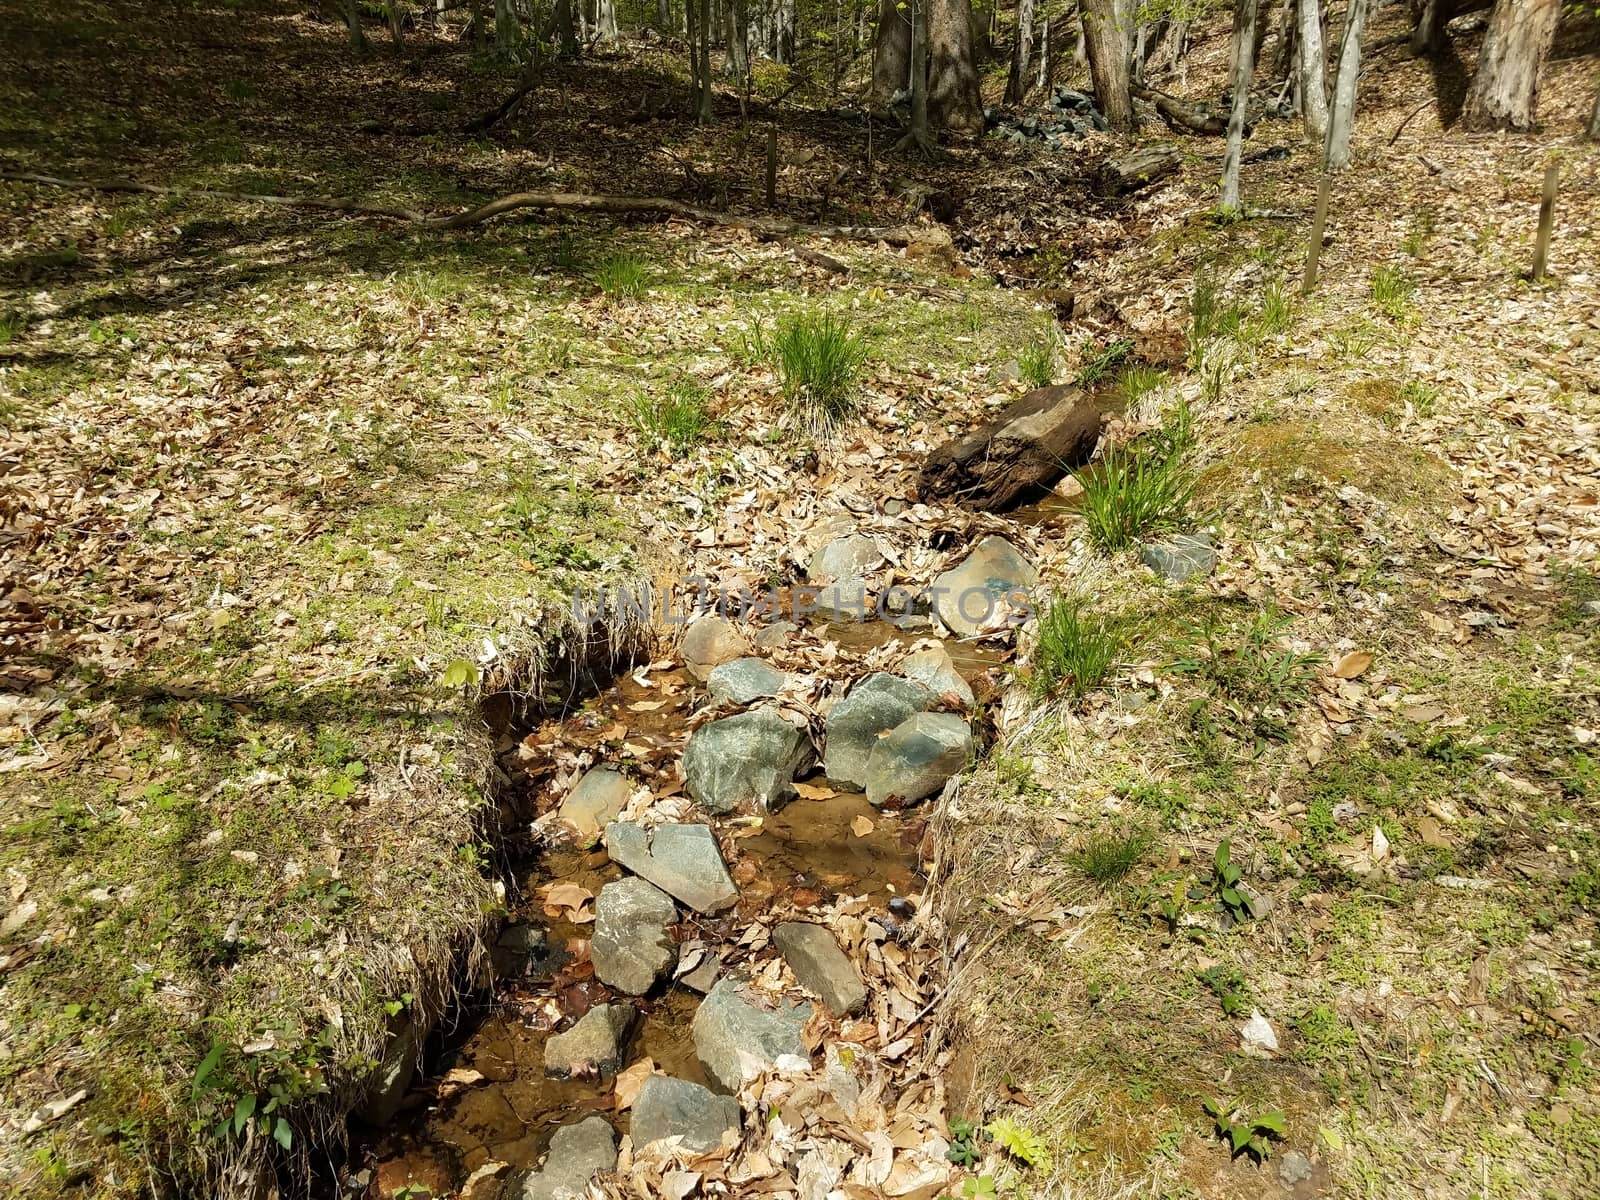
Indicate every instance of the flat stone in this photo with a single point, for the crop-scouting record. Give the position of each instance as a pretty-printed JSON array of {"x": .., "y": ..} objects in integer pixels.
[
  {"x": 743, "y": 681},
  {"x": 850, "y": 557},
  {"x": 736, "y": 1040},
  {"x": 1293, "y": 1168},
  {"x": 917, "y": 757},
  {"x": 1181, "y": 556},
  {"x": 577, "y": 1154},
  {"x": 970, "y": 598},
  {"x": 776, "y": 636},
  {"x": 874, "y": 706},
  {"x": 821, "y": 966},
  {"x": 667, "y": 1107},
  {"x": 597, "y": 800},
  {"x": 594, "y": 1046},
  {"x": 934, "y": 671},
  {"x": 681, "y": 860},
  {"x": 1257, "y": 1037},
  {"x": 709, "y": 642},
  {"x": 632, "y": 949},
  {"x": 847, "y": 599},
  {"x": 747, "y": 759}
]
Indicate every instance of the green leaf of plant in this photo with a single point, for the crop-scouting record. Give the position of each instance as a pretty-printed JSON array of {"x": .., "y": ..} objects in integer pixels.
[
  {"x": 460, "y": 672},
  {"x": 1230, "y": 897},
  {"x": 1272, "y": 1122},
  {"x": 1223, "y": 853},
  {"x": 282, "y": 1133},
  {"x": 207, "y": 1065},
  {"x": 1239, "y": 1135},
  {"x": 1213, "y": 1106},
  {"x": 243, "y": 1108}
]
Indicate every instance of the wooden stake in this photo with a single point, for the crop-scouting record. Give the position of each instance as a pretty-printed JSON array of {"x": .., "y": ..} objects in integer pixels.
[
  {"x": 1318, "y": 221},
  {"x": 772, "y": 165},
  {"x": 1547, "y": 218}
]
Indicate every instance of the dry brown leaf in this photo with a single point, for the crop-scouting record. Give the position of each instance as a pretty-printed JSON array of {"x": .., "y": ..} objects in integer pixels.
[
  {"x": 814, "y": 791},
  {"x": 862, "y": 825},
  {"x": 1353, "y": 665},
  {"x": 630, "y": 1080},
  {"x": 568, "y": 899}
]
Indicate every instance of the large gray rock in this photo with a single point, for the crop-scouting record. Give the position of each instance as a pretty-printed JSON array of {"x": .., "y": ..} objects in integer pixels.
[
  {"x": 595, "y": 1046},
  {"x": 735, "y": 1039},
  {"x": 681, "y": 860},
  {"x": 597, "y": 800},
  {"x": 1181, "y": 556},
  {"x": 821, "y": 966},
  {"x": 934, "y": 671},
  {"x": 632, "y": 948},
  {"x": 750, "y": 758},
  {"x": 667, "y": 1107},
  {"x": 874, "y": 706},
  {"x": 577, "y": 1154},
  {"x": 388, "y": 1084},
  {"x": 745, "y": 680},
  {"x": 709, "y": 642},
  {"x": 969, "y": 598},
  {"x": 917, "y": 757},
  {"x": 850, "y": 557}
]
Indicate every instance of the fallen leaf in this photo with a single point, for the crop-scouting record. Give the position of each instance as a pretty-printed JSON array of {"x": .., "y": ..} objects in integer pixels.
[
  {"x": 568, "y": 899},
  {"x": 1353, "y": 665},
  {"x": 862, "y": 825},
  {"x": 629, "y": 1082},
  {"x": 814, "y": 791}
]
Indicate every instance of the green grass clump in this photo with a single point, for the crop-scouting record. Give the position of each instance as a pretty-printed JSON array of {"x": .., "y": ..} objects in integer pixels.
[
  {"x": 1100, "y": 361},
  {"x": 1107, "y": 855},
  {"x": 1211, "y": 314},
  {"x": 1137, "y": 381},
  {"x": 819, "y": 363},
  {"x": 1036, "y": 361},
  {"x": 1275, "y": 314},
  {"x": 1391, "y": 292},
  {"x": 1076, "y": 647},
  {"x": 1136, "y": 491},
  {"x": 11, "y": 325},
  {"x": 676, "y": 421},
  {"x": 622, "y": 276}
]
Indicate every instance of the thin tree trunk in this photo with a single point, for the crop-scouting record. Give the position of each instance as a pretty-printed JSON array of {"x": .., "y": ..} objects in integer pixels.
[
  {"x": 561, "y": 18},
  {"x": 784, "y": 31},
  {"x": 1245, "y": 15},
  {"x": 605, "y": 20},
  {"x": 1108, "y": 62},
  {"x": 1021, "y": 54},
  {"x": 918, "y": 136},
  {"x": 703, "y": 112},
  {"x": 1341, "y": 119},
  {"x": 1505, "y": 87},
  {"x": 953, "y": 97},
  {"x": 352, "y": 20},
  {"x": 664, "y": 16},
  {"x": 1313, "y": 73},
  {"x": 891, "y": 54},
  {"x": 738, "y": 40},
  {"x": 1594, "y": 118},
  {"x": 1047, "y": 56},
  {"x": 1427, "y": 37}
]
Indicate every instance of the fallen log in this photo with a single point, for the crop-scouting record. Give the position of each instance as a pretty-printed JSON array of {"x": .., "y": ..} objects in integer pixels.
[
  {"x": 1181, "y": 117},
  {"x": 1138, "y": 168},
  {"x": 925, "y": 236},
  {"x": 530, "y": 81},
  {"x": 1018, "y": 456}
]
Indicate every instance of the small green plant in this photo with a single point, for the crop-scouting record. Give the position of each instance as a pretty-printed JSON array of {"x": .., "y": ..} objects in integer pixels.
[
  {"x": 1391, "y": 292},
  {"x": 1226, "y": 876},
  {"x": 1100, "y": 360},
  {"x": 1211, "y": 314},
  {"x": 395, "y": 1007},
  {"x": 1134, "y": 491},
  {"x": 1420, "y": 233},
  {"x": 1076, "y": 647},
  {"x": 1107, "y": 855},
  {"x": 819, "y": 362},
  {"x": 11, "y": 326},
  {"x": 1228, "y": 984},
  {"x": 1138, "y": 381},
  {"x": 1020, "y": 1142},
  {"x": 1036, "y": 362},
  {"x": 677, "y": 420},
  {"x": 1246, "y": 1134},
  {"x": 981, "y": 1188},
  {"x": 966, "y": 1142},
  {"x": 565, "y": 253},
  {"x": 751, "y": 345},
  {"x": 622, "y": 276},
  {"x": 1420, "y": 395},
  {"x": 1275, "y": 314}
]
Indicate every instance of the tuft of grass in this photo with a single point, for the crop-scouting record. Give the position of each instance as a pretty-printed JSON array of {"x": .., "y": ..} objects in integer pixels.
[
  {"x": 1100, "y": 360},
  {"x": 622, "y": 276},
  {"x": 1211, "y": 314},
  {"x": 676, "y": 421},
  {"x": 1108, "y": 855},
  {"x": 1421, "y": 395},
  {"x": 1138, "y": 381},
  {"x": 819, "y": 363},
  {"x": 1076, "y": 646},
  {"x": 1037, "y": 360},
  {"x": 11, "y": 325},
  {"x": 1134, "y": 491},
  {"x": 1275, "y": 314},
  {"x": 1391, "y": 292}
]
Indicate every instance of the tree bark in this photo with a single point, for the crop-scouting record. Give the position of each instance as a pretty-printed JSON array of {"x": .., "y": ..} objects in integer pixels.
[
  {"x": 1594, "y": 118},
  {"x": 664, "y": 16},
  {"x": 1505, "y": 86},
  {"x": 1107, "y": 43},
  {"x": 1342, "y": 117},
  {"x": 1427, "y": 36},
  {"x": 1021, "y": 54},
  {"x": 352, "y": 20},
  {"x": 954, "y": 101},
  {"x": 1245, "y": 14},
  {"x": 1138, "y": 168},
  {"x": 891, "y": 54},
  {"x": 605, "y": 20},
  {"x": 1032, "y": 443},
  {"x": 703, "y": 113},
  {"x": 561, "y": 18},
  {"x": 918, "y": 136},
  {"x": 738, "y": 39},
  {"x": 1183, "y": 118},
  {"x": 1313, "y": 72}
]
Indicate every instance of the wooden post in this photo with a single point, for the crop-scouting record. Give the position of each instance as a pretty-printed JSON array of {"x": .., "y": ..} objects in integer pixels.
[
  {"x": 1547, "y": 218},
  {"x": 1318, "y": 220},
  {"x": 772, "y": 165}
]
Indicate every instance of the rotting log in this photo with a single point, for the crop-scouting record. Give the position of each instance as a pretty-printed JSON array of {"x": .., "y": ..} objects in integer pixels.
[
  {"x": 1186, "y": 118},
  {"x": 1019, "y": 455},
  {"x": 1138, "y": 169}
]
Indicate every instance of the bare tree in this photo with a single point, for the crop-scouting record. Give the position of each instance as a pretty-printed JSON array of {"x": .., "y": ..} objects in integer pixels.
[
  {"x": 351, "y": 11},
  {"x": 891, "y": 54},
  {"x": 1427, "y": 35},
  {"x": 605, "y": 20},
  {"x": 918, "y": 136},
  {"x": 1021, "y": 54},
  {"x": 738, "y": 30},
  {"x": 1107, "y": 43},
  {"x": 1505, "y": 87},
  {"x": 1594, "y": 117},
  {"x": 561, "y": 23},
  {"x": 954, "y": 101},
  {"x": 1245, "y": 13},
  {"x": 1336, "y": 156},
  {"x": 1313, "y": 72}
]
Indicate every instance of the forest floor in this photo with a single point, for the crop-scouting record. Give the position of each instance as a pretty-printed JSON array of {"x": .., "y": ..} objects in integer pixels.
[{"x": 270, "y": 473}]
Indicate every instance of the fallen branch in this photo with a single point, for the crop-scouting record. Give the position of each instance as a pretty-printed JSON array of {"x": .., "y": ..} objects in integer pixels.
[
  {"x": 770, "y": 227},
  {"x": 494, "y": 116},
  {"x": 1181, "y": 117}
]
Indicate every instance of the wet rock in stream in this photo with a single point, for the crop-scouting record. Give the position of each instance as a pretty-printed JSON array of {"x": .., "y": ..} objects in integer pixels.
[
  {"x": 917, "y": 757},
  {"x": 1181, "y": 556},
  {"x": 852, "y": 556},
  {"x": 745, "y": 680},
  {"x": 682, "y": 860},
  {"x": 874, "y": 706},
  {"x": 748, "y": 759},
  {"x": 597, "y": 800},
  {"x": 969, "y": 598},
  {"x": 709, "y": 642},
  {"x": 667, "y": 1107},
  {"x": 821, "y": 966},
  {"x": 594, "y": 1046},
  {"x": 577, "y": 1154},
  {"x": 632, "y": 948},
  {"x": 737, "y": 1040},
  {"x": 934, "y": 671}
]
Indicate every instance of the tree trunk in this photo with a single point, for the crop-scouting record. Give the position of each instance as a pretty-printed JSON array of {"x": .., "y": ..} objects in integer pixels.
[
  {"x": 1505, "y": 87},
  {"x": 953, "y": 97},
  {"x": 918, "y": 136},
  {"x": 1245, "y": 14},
  {"x": 703, "y": 113},
  {"x": 664, "y": 16},
  {"x": 1016, "y": 457},
  {"x": 1427, "y": 36},
  {"x": 1313, "y": 72},
  {"x": 1342, "y": 118},
  {"x": 1107, "y": 42},
  {"x": 352, "y": 20},
  {"x": 561, "y": 18},
  {"x": 784, "y": 23},
  {"x": 738, "y": 39},
  {"x": 1021, "y": 54},
  {"x": 1138, "y": 168},
  {"x": 605, "y": 20},
  {"x": 891, "y": 54},
  {"x": 1047, "y": 57}
]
